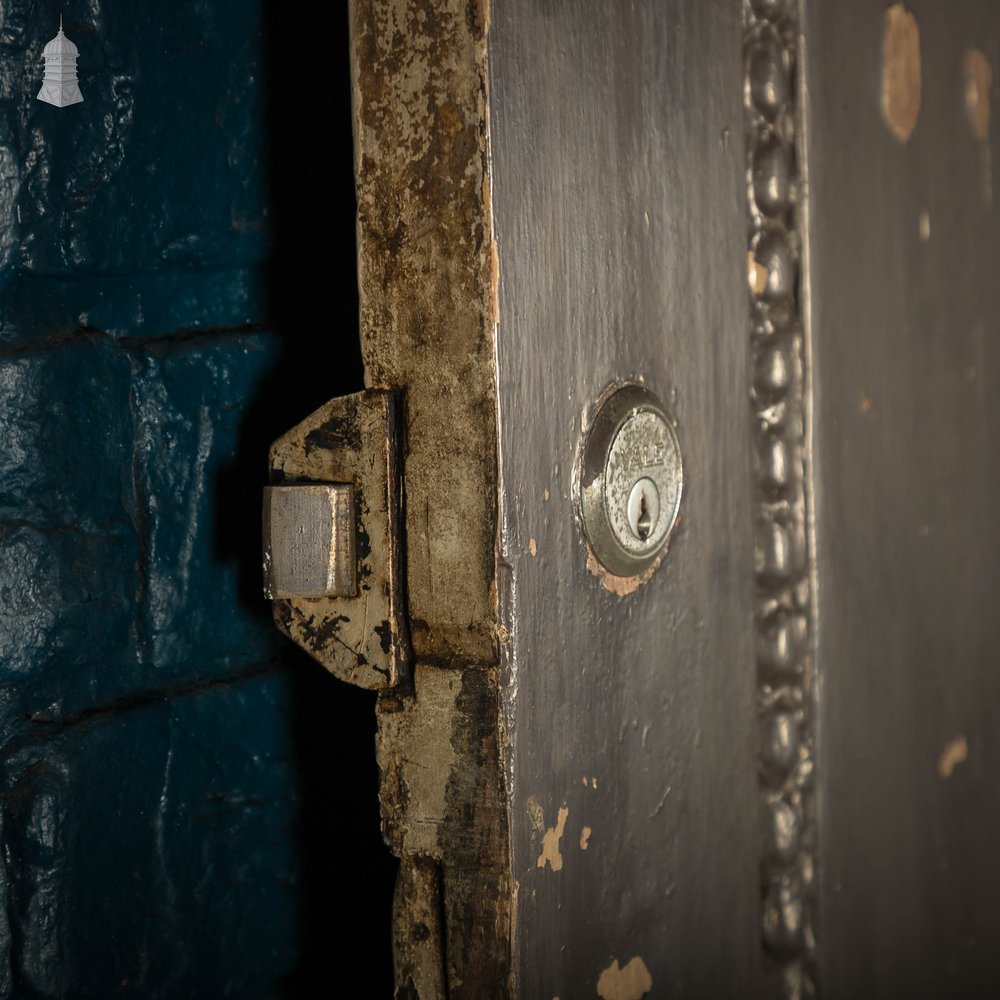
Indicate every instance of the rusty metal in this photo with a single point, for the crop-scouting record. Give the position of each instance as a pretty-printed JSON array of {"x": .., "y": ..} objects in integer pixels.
[{"x": 347, "y": 448}]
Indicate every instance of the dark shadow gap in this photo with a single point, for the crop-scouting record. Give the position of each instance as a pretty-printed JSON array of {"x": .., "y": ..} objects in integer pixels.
[{"x": 312, "y": 307}]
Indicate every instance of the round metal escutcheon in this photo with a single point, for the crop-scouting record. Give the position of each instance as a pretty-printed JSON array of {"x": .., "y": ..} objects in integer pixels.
[{"x": 630, "y": 481}]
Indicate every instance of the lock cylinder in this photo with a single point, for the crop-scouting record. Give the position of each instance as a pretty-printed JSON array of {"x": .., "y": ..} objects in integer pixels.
[{"x": 630, "y": 477}]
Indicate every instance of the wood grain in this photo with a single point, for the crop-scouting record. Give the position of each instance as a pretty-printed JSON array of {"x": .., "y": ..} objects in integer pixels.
[
  {"x": 620, "y": 222},
  {"x": 906, "y": 359}
]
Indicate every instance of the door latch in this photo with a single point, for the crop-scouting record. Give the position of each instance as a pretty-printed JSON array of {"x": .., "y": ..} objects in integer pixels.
[{"x": 332, "y": 553}]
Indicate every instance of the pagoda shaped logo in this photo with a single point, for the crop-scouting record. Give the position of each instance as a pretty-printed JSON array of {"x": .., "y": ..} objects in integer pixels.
[{"x": 59, "y": 87}]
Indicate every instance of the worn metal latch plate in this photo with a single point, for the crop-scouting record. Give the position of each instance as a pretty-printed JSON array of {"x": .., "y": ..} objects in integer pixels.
[{"x": 318, "y": 550}]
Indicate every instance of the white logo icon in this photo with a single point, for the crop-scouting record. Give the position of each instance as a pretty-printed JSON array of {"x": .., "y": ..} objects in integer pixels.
[{"x": 59, "y": 87}]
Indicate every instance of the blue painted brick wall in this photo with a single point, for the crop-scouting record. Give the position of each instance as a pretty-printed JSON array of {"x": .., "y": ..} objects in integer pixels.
[{"x": 153, "y": 797}]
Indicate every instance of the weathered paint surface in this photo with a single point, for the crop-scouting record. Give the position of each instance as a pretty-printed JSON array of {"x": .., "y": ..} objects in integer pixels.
[
  {"x": 150, "y": 785},
  {"x": 617, "y": 161},
  {"x": 901, "y": 79},
  {"x": 427, "y": 277},
  {"x": 978, "y": 73},
  {"x": 442, "y": 801},
  {"x": 955, "y": 753},
  {"x": 906, "y": 460},
  {"x": 978, "y": 92},
  {"x": 629, "y": 982},
  {"x": 616, "y": 185},
  {"x": 417, "y": 934},
  {"x": 353, "y": 439}
]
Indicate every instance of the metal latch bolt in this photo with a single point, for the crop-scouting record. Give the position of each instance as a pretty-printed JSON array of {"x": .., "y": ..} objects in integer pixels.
[
  {"x": 309, "y": 541},
  {"x": 332, "y": 548}
]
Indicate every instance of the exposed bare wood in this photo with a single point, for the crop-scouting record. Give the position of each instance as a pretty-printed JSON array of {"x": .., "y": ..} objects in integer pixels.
[
  {"x": 442, "y": 799},
  {"x": 417, "y": 935}
]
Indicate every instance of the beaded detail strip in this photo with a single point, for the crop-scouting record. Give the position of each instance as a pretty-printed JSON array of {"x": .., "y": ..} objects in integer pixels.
[{"x": 782, "y": 608}]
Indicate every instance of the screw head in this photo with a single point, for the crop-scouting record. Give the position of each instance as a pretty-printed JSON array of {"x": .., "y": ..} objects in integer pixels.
[{"x": 630, "y": 478}]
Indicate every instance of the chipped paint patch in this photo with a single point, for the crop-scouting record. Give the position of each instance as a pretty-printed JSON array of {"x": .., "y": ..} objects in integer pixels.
[
  {"x": 978, "y": 84},
  {"x": 545, "y": 496},
  {"x": 925, "y": 226},
  {"x": 533, "y": 547},
  {"x": 585, "y": 838},
  {"x": 901, "y": 81},
  {"x": 756, "y": 274},
  {"x": 550, "y": 843},
  {"x": 535, "y": 816},
  {"x": 416, "y": 754},
  {"x": 491, "y": 268},
  {"x": 622, "y": 586},
  {"x": 631, "y": 982},
  {"x": 428, "y": 274},
  {"x": 978, "y": 88},
  {"x": 955, "y": 753}
]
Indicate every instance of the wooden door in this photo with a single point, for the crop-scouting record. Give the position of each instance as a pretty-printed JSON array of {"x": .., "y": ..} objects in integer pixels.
[{"x": 762, "y": 767}]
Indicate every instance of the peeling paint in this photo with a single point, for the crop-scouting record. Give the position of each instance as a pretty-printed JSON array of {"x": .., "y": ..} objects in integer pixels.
[
  {"x": 428, "y": 273},
  {"x": 362, "y": 640},
  {"x": 585, "y": 838},
  {"x": 492, "y": 270},
  {"x": 440, "y": 795},
  {"x": 756, "y": 274},
  {"x": 622, "y": 586},
  {"x": 978, "y": 84},
  {"x": 978, "y": 88},
  {"x": 535, "y": 816},
  {"x": 428, "y": 277},
  {"x": 533, "y": 547},
  {"x": 955, "y": 753},
  {"x": 630, "y": 982},
  {"x": 901, "y": 82},
  {"x": 550, "y": 843},
  {"x": 417, "y": 929}
]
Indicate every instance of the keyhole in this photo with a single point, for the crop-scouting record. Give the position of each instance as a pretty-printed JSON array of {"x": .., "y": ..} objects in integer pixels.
[
  {"x": 645, "y": 523},
  {"x": 643, "y": 509}
]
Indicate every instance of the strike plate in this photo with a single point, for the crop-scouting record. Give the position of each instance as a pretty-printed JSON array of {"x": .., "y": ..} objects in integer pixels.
[{"x": 352, "y": 441}]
